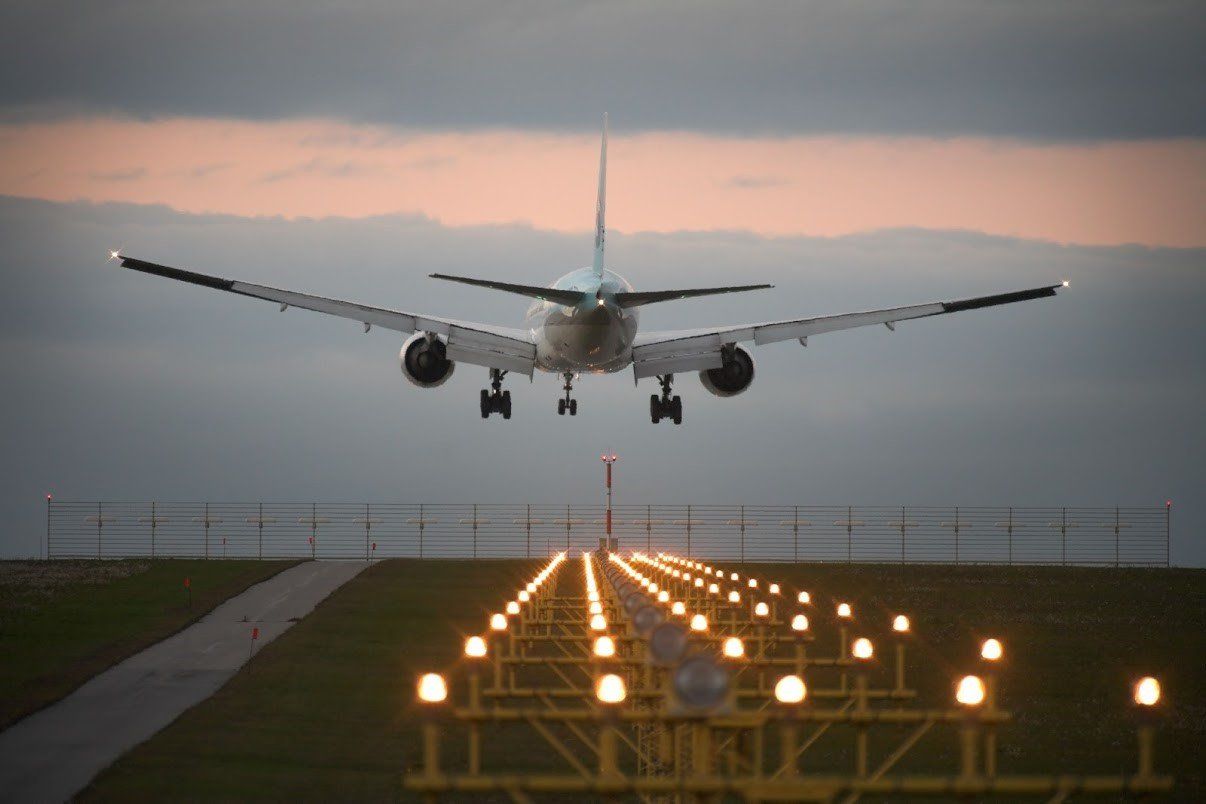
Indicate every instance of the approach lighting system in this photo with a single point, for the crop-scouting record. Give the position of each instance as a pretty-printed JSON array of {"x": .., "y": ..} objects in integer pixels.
[
  {"x": 970, "y": 691},
  {"x": 432, "y": 688},
  {"x": 734, "y": 596},
  {"x": 844, "y": 611},
  {"x": 512, "y": 607},
  {"x": 790, "y": 690},
  {"x": 498, "y": 622},
  {"x": 734, "y": 648},
  {"x": 799, "y": 623},
  {"x": 699, "y": 623},
  {"x": 804, "y": 597},
  {"x": 761, "y": 610},
  {"x": 475, "y": 647},
  {"x": 900, "y": 624},
  {"x": 1147, "y": 691},
  {"x": 598, "y": 623},
  {"x": 862, "y": 649},
  {"x": 611, "y": 690},
  {"x": 774, "y": 589},
  {"x": 991, "y": 650},
  {"x": 678, "y": 608}
]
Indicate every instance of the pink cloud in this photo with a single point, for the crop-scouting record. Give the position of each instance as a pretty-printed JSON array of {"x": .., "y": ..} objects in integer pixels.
[{"x": 1151, "y": 192}]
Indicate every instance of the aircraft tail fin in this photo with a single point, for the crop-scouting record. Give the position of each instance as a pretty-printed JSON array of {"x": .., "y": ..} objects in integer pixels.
[{"x": 601, "y": 203}]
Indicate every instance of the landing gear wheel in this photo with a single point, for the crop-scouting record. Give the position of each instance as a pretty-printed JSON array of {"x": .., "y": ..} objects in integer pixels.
[
  {"x": 676, "y": 409},
  {"x": 486, "y": 404},
  {"x": 560, "y": 407},
  {"x": 655, "y": 408},
  {"x": 496, "y": 400},
  {"x": 506, "y": 404},
  {"x": 573, "y": 407}
]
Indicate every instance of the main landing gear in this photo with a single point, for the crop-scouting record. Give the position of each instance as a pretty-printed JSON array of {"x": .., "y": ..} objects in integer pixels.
[
  {"x": 496, "y": 400},
  {"x": 667, "y": 407},
  {"x": 568, "y": 403}
]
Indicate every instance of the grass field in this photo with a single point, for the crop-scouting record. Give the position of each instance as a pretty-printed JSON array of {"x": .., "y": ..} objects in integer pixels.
[
  {"x": 62, "y": 622},
  {"x": 325, "y": 712}
]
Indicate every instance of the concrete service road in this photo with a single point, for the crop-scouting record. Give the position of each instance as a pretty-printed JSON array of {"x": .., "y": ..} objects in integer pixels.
[{"x": 54, "y": 753}]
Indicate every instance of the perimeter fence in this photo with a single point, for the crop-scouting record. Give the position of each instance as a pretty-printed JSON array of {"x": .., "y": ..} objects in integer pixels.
[{"x": 1108, "y": 536}]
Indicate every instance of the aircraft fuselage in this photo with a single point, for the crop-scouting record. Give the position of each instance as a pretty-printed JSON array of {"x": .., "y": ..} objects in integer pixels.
[{"x": 594, "y": 336}]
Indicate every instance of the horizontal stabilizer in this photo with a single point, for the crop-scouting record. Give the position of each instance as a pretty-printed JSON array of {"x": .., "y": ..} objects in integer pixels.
[
  {"x": 651, "y": 296},
  {"x": 567, "y": 297}
]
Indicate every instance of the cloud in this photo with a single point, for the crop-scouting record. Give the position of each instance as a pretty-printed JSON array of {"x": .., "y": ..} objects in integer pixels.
[
  {"x": 1103, "y": 193},
  {"x": 1084, "y": 70}
]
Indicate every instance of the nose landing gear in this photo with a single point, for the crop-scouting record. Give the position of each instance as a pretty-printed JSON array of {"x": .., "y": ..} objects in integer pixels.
[
  {"x": 568, "y": 403},
  {"x": 496, "y": 400},
  {"x": 667, "y": 407}
]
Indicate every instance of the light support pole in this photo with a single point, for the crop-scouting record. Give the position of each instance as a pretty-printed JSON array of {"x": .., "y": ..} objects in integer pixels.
[{"x": 608, "y": 460}]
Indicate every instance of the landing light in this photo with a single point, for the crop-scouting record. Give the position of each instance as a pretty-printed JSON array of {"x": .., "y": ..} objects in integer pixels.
[
  {"x": 790, "y": 690},
  {"x": 432, "y": 688},
  {"x": 1065, "y": 283},
  {"x": 113, "y": 255}
]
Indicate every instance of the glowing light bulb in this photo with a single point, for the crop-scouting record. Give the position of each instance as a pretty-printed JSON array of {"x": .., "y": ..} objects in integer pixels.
[
  {"x": 900, "y": 624},
  {"x": 678, "y": 608},
  {"x": 605, "y": 647},
  {"x": 734, "y": 648},
  {"x": 1147, "y": 691},
  {"x": 992, "y": 650},
  {"x": 432, "y": 688},
  {"x": 790, "y": 690},
  {"x": 610, "y": 689},
  {"x": 844, "y": 611},
  {"x": 498, "y": 622},
  {"x": 699, "y": 623},
  {"x": 512, "y": 607},
  {"x": 598, "y": 623},
  {"x": 862, "y": 648},
  {"x": 761, "y": 610},
  {"x": 475, "y": 647},
  {"x": 804, "y": 597},
  {"x": 799, "y": 623},
  {"x": 970, "y": 691}
]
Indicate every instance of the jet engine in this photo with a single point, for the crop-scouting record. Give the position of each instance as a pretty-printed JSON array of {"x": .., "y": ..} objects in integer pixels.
[
  {"x": 734, "y": 376},
  {"x": 424, "y": 360}
]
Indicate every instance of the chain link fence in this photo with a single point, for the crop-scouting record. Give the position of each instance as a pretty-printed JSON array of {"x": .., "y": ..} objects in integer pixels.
[{"x": 1132, "y": 536}]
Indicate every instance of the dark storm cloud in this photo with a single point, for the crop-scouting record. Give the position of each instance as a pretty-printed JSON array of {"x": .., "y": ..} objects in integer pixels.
[
  {"x": 120, "y": 385},
  {"x": 1078, "y": 70}
]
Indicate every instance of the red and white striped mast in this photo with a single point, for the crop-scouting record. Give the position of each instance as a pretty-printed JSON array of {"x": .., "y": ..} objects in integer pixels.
[{"x": 608, "y": 460}]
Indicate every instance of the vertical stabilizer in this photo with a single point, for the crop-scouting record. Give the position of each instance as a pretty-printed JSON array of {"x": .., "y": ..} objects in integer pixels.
[{"x": 601, "y": 203}]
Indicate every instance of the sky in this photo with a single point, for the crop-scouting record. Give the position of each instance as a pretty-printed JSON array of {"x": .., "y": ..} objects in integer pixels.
[{"x": 855, "y": 154}]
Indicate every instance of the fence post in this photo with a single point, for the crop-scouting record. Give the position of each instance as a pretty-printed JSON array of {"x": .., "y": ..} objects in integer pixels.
[
  {"x": 48, "y": 502},
  {"x": 1116, "y": 528},
  {"x": 849, "y": 534},
  {"x": 260, "y": 547},
  {"x": 154, "y": 522},
  {"x": 475, "y": 530},
  {"x": 313, "y": 531},
  {"x": 205, "y": 541},
  {"x": 422, "y": 524},
  {"x": 567, "y": 529},
  {"x": 795, "y": 534},
  {"x": 743, "y": 535},
  {"x": 648, "y": 528},
  {"x": 366, "y": 531},
  {"x": 902, "y": 534},
  {"x": 1168, "y": 533},
  {"x": 956, "y": 535},
  {"x": 528, "y": 541},
  {"x": 1010, "y": 532},
  {"x": 688, "y": 531},
  {"x": 100, "y": 519},
  {"x": 1063, "y": 536}
]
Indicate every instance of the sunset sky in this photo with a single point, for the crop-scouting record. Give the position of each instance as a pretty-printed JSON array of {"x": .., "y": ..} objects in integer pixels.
[{"x": 855, "y": 153}]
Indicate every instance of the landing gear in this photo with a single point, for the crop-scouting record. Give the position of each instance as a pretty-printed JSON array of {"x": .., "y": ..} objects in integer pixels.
[
  {"x": 666, "y": 407},
  {"x": 496, "y": 400},
  {"x": 568, "y": 404}
]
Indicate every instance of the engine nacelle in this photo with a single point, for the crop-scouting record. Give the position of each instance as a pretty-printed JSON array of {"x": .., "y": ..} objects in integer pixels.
[
  {"x": 736, "y": 375},
  {"x": 424, "y": 361}
]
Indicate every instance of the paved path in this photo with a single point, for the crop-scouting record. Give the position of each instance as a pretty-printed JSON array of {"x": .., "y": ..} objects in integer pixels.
[{"x": 53, "y": 754}]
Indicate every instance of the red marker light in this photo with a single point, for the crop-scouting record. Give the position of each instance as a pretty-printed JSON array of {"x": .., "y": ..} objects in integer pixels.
[
  {"x": 49, "y": 497},
  {"x": 1167, "y": 503},
  {"x": 187, "y": 583},
  {"x": 255, "y": 633}
]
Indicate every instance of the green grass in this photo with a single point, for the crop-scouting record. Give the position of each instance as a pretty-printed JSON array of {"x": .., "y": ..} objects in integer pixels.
[
  {"x": 325, "y": 712},
  {"x": 62, "y": 622}
]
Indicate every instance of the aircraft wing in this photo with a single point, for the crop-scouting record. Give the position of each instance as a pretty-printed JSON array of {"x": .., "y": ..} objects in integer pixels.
[
  {"x": 698, "y": 349},
  {"x": 478, "y": 344}
]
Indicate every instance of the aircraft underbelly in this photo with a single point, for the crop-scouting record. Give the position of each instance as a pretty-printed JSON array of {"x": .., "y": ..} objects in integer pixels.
[{"x": 597, "y": 343}]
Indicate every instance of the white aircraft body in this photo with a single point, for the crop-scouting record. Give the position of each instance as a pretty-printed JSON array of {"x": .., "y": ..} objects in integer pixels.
[{"x": 586, "y": 321}]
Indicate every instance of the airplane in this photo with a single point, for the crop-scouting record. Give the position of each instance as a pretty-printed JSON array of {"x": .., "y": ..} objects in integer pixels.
[{"x": 585, "y": 321}]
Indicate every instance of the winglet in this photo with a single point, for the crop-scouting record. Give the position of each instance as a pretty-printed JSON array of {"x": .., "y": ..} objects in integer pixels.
[{"x": 601, "y": 203}]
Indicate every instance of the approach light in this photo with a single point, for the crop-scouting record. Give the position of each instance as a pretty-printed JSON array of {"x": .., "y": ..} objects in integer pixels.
[
  {"x": 663, "y": 596},
  {"x": 970, "y": 691},
  {"x": 753, "y": 583},
  {"x": 790, "y": 690},
  {"x": 605, "y": 647},
  {"x": 598, "y": 623},
  {"x": 596, "y": 608},
  {"x": 991, "y": 650},
  {"x": 761, "y": 610},
  {"x": 900, "y": 624},
  {"x": 733, "y": 576},
  {"x": 593, "y": 597},
  {"x": 678, "y": 608},
  {"x": 799, "y": 623},
  {"x": 498, "y": 622},
  {"x": 844, "y": 611},
  {"x": 734, "y": 597},
  {"x": 699, "y": 583},
  {"x": 804, "y": 597},
  {"x": 432, "y": 688},
  {"x": 512, "y": 607},
  {"x": 862, "y": 649},
  {"x": 475, "y": 647},
  {"x": 610, "y": 689},
  {"x": 774, "y": 588},
  {"x": 531, "y": 588},
  {"x": 1147, "y": 691},
  {"x": 713, "y": 589},
  {"x": 699, "y": 623},
  {"x": 523, "y": 596},
  {"x": 734, "y": 648}
]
